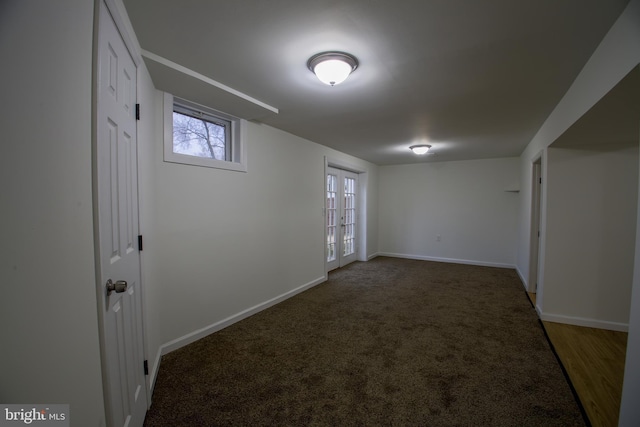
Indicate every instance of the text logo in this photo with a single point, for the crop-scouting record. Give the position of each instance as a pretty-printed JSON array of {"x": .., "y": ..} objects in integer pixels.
[{"x": 41, "y": 415}]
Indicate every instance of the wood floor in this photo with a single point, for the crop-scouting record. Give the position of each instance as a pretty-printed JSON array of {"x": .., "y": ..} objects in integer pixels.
[{"x": 594, "y": 360}]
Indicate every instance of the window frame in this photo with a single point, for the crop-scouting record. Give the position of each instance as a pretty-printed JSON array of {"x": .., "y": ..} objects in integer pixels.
[{"x": 235, "y": 147}]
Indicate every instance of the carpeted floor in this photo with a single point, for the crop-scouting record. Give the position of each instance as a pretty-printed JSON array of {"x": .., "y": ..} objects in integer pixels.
[{"x": 387, "y": 342}]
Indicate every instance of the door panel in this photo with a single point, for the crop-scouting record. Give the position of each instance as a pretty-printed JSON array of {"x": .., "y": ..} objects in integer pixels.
[
  {"x": 333, "y": 219},
  {"x": 341, "y": 217},
  {"x": 349, "y": 184},
  {"x": 121, "y": 332}
]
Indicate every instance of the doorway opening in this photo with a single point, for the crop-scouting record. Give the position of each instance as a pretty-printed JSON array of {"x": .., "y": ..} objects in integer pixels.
[{"x": 536, "y": 197}]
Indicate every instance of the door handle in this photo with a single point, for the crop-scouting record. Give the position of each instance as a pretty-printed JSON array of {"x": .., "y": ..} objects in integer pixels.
[{"x": 117, "y": 287}]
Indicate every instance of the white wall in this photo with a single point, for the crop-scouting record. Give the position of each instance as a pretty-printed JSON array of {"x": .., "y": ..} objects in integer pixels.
[
  {"x": 590, "y": 235},
  {"x": 48, "y": 310},
  {"x": 225, "y": 242},
  {"x": 615, "y": 57},
  {"x": 629, "y": 408},
  {"x": 149, "y": 137},
  {"x": 464, "y": 202}
]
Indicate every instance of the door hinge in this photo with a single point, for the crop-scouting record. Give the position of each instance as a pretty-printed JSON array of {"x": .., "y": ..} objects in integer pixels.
[
  {"x": 140, "y": 242},
  {"x": 540, "y": 180},
  {"x": 146, "y": 367},
  {"x": 137, "y": 111}
]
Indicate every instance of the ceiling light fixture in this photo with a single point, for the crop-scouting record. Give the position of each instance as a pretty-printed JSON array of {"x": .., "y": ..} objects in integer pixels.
[
  {"x": 420, "y": 148},
  {"x": 332, "y": 68}
]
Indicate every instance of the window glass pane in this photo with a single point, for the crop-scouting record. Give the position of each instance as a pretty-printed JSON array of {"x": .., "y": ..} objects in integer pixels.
[{"x": 199, "y": 137}]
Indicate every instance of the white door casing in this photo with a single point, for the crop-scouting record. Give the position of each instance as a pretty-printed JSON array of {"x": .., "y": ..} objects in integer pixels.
[
  {"x": 341, "y": 217},
  {"x": 118, "y": 258},
  {"x": 536, "y": 195}
]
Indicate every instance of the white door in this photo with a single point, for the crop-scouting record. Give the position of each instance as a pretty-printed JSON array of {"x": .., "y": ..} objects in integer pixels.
[
  {"x": 341, "y": 216},
  {"x": 117, "y": 206}
]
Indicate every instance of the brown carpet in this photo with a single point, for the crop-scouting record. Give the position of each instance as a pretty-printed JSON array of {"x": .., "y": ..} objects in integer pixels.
[{"x": 390, "y": 342}]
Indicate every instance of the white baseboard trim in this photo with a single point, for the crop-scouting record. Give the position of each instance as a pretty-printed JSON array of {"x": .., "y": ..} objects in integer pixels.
[
  {"x": 372, "y": 256},
  {"x": 581, "y": 321},
  {"x": 217, "y": 326},
  {"x": 522, "y": 279},
  {"x": 153, "y": 373},
  {"x": 448, "y": 260}
]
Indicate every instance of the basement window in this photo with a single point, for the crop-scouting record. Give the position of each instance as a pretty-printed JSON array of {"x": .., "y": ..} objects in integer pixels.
[{"x": 200, "y": 136}]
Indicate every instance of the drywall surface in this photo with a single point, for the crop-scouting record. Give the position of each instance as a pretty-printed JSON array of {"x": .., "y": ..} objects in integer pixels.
[
  {"x": 225, "y": 242},
  {"x": 615, "y": 57},
  {"x": 590, "y": 237},
  {"x": 629, "y": 408},
  {"x": 451, "y": 211},
  {"x": 149, "y": 157},
  {"x": 48, "y": 309}
]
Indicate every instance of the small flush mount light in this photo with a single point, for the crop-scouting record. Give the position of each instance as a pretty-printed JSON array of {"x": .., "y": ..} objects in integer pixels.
[
  {"x": 332, "y": 68},
  {"x": 420, "y": 149}
]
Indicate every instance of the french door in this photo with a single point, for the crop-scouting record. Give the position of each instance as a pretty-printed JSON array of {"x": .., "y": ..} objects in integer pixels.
[{"x": 341, "y": 217}]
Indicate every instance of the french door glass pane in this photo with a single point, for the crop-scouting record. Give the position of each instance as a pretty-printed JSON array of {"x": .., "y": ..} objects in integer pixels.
[
  {"x": 349, "y": 216},
  {"x": 332, "y": 224}
]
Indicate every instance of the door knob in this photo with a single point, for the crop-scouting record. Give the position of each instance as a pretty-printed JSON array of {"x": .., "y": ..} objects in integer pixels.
[{"x": 119, "y": 286}]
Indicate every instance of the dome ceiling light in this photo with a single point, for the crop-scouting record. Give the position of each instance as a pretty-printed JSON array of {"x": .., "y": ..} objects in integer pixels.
[
  {"x": 332, "y": 68},
  {"x": 420, "y": 149}
]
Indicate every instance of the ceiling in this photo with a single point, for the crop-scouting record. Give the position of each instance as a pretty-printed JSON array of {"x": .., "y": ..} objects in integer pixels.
[
  {"x": 611, "y": 123},
  {"x": 475, "y": 79}
]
